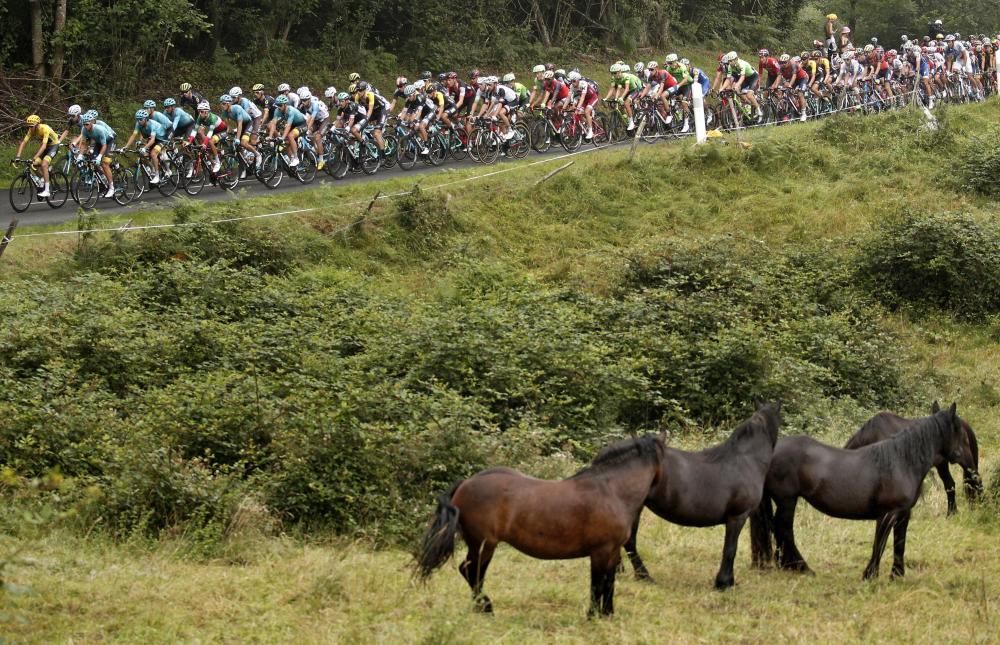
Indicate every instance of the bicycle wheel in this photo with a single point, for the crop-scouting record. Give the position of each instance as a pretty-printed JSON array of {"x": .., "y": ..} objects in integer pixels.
[
  {"x": 58, "y": 189},
  {"x": 305, "y": 172},
  {"x": 473, "y": 143},
  {"x": 456, "y": 149},
  {"x": 540, "y": 137},
  {"x": 22, "y": 194},
  {"x": 125, "y": 187},
  {"x": 438, "y": 150},
  {"x": 270, "y": 171},
  {"x": 198, "y": 176},
  {"x": 370, "y": 161},
  {"x": 408, "y": 153},
  {"x": 389, "y": 152},
  {"x": 341, "y": 162},
  {"x": 600, "y": 124},
  {"x": 168, "y": 178},
  {"x": 86, "y": 188},
  {"x": 571, "y": 134},
  {"x": 140, "y": 176},
  {"x": 654, "y": 129},
  {"x": 519, "y": 146},
  {"x": 228, "y": 176},
  {"x": 488, "y": 148}
]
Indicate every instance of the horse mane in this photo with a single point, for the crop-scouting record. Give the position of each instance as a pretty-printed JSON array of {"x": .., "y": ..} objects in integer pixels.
[
  {"x": 973, "y": 442},
  {"x": 646, "y": 447},
  {"x": 876, "y": 429},
  {"x": 746, "y": 429},
  {"x": 915, "y": 446}
]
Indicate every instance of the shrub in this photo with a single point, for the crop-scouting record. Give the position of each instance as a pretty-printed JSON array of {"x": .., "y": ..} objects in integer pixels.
[
  {"x": 947, "y": 261},
  {"x": 980, "y": 167}
]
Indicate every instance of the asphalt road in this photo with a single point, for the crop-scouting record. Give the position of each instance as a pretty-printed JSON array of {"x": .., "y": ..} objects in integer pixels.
[{"x": 39, "y": 213}]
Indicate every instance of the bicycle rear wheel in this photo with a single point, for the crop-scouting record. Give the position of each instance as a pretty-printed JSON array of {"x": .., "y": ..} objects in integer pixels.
[
  {"x": 58, "y": 189},
  {"x": 408, "y": 152},
  {"x": 389, "y": 152},
  {"x": 571, "y": 134},
  {"x": 438, "y": 150},
  {"x": 198, "y": 178},
  {"x": 370, "y": 160},
  {"x": 168, "y": 178},
  {"x": 541, "y": 141},
  {"x": 600, "y": 125},
  {"x": 228, "y": 176},
  {"x": 125, "y": 187},
  {"x": 85, "y": 188},
  {"x": 519, "y": 146},
  {"x": 305, "y": 172},
  {"x": 456, "y": 149},
  {"x": 270, "y": 171},
  {"x": 22, "y": 194},
  {"x": 488, "y": 148}
]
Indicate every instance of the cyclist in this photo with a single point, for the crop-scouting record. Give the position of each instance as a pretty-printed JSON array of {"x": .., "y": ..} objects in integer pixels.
[
  {"x": 73, "y": 121},
  {"x": 401, "y": 82},
  {"x": 150, "y": 106},
  {"x": 586, "y": 98},
  {"x": 624, "y": 86},
  {"x": 522, "y": 92},
  {"x": 461, "y": 94},
  {"x": 503, "y": 101},
  {"x": 679, "y": 72},
  {"x": 286, "y": 90},
  {"x": 47, "y": 148},
  {"x": 317, "y": 121},
  {"x": 155, "y": 138},
  {"x": 418, "y": 111},
  {"x": 796, "y": 80},
  {"x": 256, "y": 114},
  {"x": 378, "y": 109},
  {"x": 351, "y": 116},
  {"x": 210, "y": 129},
  {"x": 233, "y": 112},
  {"x": 295, "y": 125},
  {"x": 263, "y": 102},
  {"x": 722, "y": 80},
  {"x": 190, "y": 97},
  {"x": 538, "y": 89},
  {"x": 101, "y": 140},
  {"x": 746, "y": 80}
]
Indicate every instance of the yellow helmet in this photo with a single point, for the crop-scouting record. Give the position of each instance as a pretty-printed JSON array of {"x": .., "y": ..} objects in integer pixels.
[
  {"x": 831, "y": 16},
  {"x": 354, "y": 77},
  {"x": 33, "y": 120},
  {"x": 352, "y": 88}
]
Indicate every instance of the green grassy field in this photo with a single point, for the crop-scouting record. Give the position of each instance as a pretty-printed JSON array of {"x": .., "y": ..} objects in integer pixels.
[{"x": 787, "y": 186}]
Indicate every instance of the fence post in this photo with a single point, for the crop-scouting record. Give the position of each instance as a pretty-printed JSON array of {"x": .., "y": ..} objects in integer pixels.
[
  {"x": 699, "y": 113},
  {"x": 8, "y": 236},
  {"x": 635, "y": 138}
]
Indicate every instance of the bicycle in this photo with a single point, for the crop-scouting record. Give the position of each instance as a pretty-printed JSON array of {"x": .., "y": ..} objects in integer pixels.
[
  {"x": 227, "y": 177},
  {"x": 24, "y": 190},
  {"x": 347, "y": 154},
  {"x": 143, "y": 173},
  {"x": 89, "y": 183},
  {"x": 616, "y": 120}
]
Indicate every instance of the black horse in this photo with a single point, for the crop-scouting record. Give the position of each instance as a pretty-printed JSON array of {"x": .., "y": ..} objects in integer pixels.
[
  {"x": 878, "y": 482},
  {"x": 886, "y": 424},
  {"x": 588, "y": 515},
  {"x": 720, "y": 485}
]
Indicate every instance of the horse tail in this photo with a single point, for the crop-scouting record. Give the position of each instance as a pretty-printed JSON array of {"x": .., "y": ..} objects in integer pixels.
[
  {"x": 438, "y": 543},
  {"x": 762, "y": 532}
]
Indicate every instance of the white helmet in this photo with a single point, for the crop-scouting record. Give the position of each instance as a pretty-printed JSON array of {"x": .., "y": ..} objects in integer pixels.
[
  {"x": 639, "y": 67},
  {"x": 236, "y": 92},
  {"x": 284, "y": 87},
  {"x": 730, "y": 57},
  {"x": 671, "y": 58},
  {"x": 537, "y": 68},
  {"x": 75, "y": 110},
  {"x": 508, "y": 77},
  {"x": 204, "y": 106},
  {"x": 304, "y": 93},
  {"x": 419, "y": 85},
  {"x": 330, "y": 92},
  {"x": 573, "y": 77},
  {"x": 301, "y": 90}
]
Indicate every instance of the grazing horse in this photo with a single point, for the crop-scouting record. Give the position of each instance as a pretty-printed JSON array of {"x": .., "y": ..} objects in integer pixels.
[
  {"x": 877, "y": 482},
  {"x": 720, "y": 485},
  {"x": 588, "y": 515},
  {"x": 886, "y": 424}
]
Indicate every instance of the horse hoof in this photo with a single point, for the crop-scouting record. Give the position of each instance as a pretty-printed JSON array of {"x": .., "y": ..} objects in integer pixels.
[
  {"x": 484, "y": 606},
  {"x": 643, "y": 576},
  {"x": 724, "y": 583}
]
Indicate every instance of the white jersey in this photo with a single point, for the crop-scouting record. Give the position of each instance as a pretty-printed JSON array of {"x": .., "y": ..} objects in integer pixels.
[
  {"x": 318, "y": 110},
  {"x": 503, "y": 94},
  {"x": 250, "y": 108},
  {"x": 293, "y": 99}
]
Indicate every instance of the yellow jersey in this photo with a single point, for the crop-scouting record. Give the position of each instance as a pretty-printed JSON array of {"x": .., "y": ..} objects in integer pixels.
[{"x": 42, "y": 132}]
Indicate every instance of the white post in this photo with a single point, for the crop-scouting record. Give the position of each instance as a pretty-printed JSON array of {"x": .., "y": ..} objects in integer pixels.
[
  {"x": 996, "y": 68},
  {"x": 699, "y": 112}
]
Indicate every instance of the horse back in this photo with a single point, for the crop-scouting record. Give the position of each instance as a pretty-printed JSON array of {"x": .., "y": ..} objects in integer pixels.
[{"x": 879, "y": 428}]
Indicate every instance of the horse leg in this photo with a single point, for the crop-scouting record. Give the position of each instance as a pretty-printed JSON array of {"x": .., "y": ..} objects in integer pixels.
[
  {"x": 899, "y": 545},
  {"x": 882, "y": 527},
  {"x": 603, "y": 567},
  {"x": 949, "y": 486},
  {"x": 641, "y": 572},
  {"x": 725, "y": 578},
  {"x": 473, "y": 569},
  {"x": 784, "y": 536}
]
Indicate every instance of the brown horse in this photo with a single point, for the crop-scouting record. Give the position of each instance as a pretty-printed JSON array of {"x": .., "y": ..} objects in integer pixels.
[
  {"x": 878, "y": 482},
  {"x": 886, "y": 424},
  {"x": 588, "y": 515},
  {"x": 720, "y": 485}
]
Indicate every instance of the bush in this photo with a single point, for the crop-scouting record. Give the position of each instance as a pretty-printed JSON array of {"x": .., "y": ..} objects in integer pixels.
[
  {"x": 980, "y": 166},
  {"x": 946, "y": 261}
]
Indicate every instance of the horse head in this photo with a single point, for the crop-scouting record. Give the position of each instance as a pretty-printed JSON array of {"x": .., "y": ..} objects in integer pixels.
[
  {"x": 958, "y": 450},
  {"x": 770, "y": 415}
]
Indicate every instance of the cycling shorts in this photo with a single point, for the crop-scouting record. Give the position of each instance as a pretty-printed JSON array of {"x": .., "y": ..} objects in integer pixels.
[
  {"x": 801, "y": 85},
  {"x": 185, "y": 132},
  {"x": 320, "y": 126},
  {"x": 884, "y": 75},
  {"x": 750, "y": 83},
  {"x": 360, "y": 124},
  {"x": 50, "y": 152}
]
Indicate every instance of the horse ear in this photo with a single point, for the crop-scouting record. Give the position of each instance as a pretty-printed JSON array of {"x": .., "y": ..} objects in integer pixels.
[
  {"x": 953, "y": 410},
  {"x": 935, "y": 407}
]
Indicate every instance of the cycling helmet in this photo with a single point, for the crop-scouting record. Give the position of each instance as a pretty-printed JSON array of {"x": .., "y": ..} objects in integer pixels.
[
  {"x": 949, "y": 38},
  {"x": 763, "y": 53},
  {"x": 905, "y": 38},
  {"x": 837, "y": 61},
  {"x": 613, "y": 69},
  {"x": 508, "y": 77},
  {"x": 939, "y": 37},
  {"x": 732, "y": 56},
  {"x": 284, "y": 87},
  {"x": 893, "y": 52},
  {"x": 401, "y": 81},
  {"x": 685, "y": 62},
  {"x": 817, "y": 54},
  {"x": 796, "y": 59},
  {"x": 330, "y": 92},
  {"x": 362, "y": 86},
  {"x": 869, "y": 48},
  {"x": 305, "y": 95},
  {"x": 671, "y": 58},
  {"x": 474, "y": 74},
  {"x": 281, "y": 100},
  {"x": 32, "y": 120},
  {"x": 874, "y": 40},
  {"x": 638, "y": 67},
  {"x": 141, "y": 114},
  {"x": 426, "y": 75},
  {"x": 784, "y": 58},
  {"x": 537, "y": 69},
  {"x": 205, "y": 106},
  {"x": 86, "y": 118},
  {"x": 302, "y": 90},
  {"x": 548, "y": 74},
  {"x": 560, "y": 72},
  {"x": 573, "y": 77},
  {"x": 419, "y": 85},
  {"x": 551, "y": 67},
  {"x": 258, "y": 87},
  {"x": 150, "y": 104},
  {"x": 652, "y": 64},
  {"x": 354, "y": 77},
  {"x": 169, "y": 102},
  {"x": 352, "y": 88},
  {"x": 75, "y": 110},
  {"x": 409, "y": 90},
  {"x": 805, "y": 55},
  {"x": 225, "y": 98},
  {"x": 442, "y": 77},
  {"x": 93, "y": 114},
  {"x": 236, "y": 92},
  {"x": 185, "y": 87},
  {"x": 845, "y": 29},
  {"x": 344, "y": 96},
  {"x": 817, "y": 44}
]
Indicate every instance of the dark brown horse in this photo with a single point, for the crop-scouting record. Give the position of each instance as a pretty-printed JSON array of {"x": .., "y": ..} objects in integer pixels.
[
  {"x": 877, "y": 482},
  {"x": 886, "y": 424},
  {"x": 588, "y": 515},
  {"x": 720, "y": 485}
]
